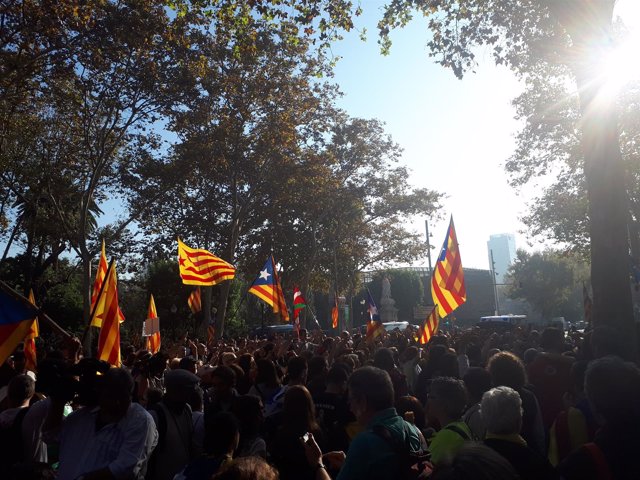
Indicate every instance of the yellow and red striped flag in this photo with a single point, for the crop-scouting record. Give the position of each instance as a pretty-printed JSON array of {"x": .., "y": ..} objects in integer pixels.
[
  {"x": 200, "y": 267},
  {"x": 153, "y": 340},
  {"x": 335, "y": 312},
  {"x": 31, "y": 359},
  {"x": 447, "y": 281},
  {"x": 430, "y": 327},
  {"x": 107, "y": 307},
  {"x": 101, "y": 271},
  {"x": 195, "y": 301},
  {"x": 267, "y": 287}
]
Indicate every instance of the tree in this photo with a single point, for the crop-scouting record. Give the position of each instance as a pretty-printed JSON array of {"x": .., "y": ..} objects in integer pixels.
[
  {"x": 108, "y": 90},
  {"x": 550, "y": 281},
  {"x": 274, "y": 168},
  {"x": 526, "y": 35}
]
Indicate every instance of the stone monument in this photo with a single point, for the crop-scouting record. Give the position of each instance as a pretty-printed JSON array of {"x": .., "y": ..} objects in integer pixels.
[{"x": 388, "y": 310}]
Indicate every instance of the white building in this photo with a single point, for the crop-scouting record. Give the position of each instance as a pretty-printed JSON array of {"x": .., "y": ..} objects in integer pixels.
[{"x": 503, "y": 247}]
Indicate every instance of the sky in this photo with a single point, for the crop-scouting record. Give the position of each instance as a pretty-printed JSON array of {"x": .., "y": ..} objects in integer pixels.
[{"x": 456, "y": 134}]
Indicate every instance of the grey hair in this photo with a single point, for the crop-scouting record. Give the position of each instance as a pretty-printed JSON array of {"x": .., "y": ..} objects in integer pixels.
[{"x": 501, "y": 410}]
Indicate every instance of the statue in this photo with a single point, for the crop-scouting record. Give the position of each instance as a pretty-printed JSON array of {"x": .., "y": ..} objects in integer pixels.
[{"x": 388, "y": 310}]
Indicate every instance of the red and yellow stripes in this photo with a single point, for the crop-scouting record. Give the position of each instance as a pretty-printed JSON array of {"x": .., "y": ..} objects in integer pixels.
[
  {"x": 96, "y": 321},
  {"x": 195, "y": 301},
  {"x": 153, "y": 341},
  {"x": 430, "y": 327},
  {"x": 30, "y": 356},
  {"x": 200, "y": 267},
  {"x": 447, "y": 283},
  {"x": 107, "y": 307}
]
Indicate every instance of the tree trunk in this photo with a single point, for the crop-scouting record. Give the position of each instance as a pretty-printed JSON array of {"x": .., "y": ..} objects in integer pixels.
[
  {"x": 86, "y": 303},
  {"x": 225, "y": 287},
  {"x": 605, "y": 180},
  {"x": 206, "y": 310}
]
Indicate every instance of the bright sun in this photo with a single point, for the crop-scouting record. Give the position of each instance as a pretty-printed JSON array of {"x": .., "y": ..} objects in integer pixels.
[{"x": 622, "y": 64}]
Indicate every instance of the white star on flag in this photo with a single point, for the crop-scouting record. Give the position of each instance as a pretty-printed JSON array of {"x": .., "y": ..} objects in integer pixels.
[{"x": 264, "y": 275}]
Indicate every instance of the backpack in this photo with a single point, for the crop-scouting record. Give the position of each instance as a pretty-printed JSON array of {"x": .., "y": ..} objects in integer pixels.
[
  {"x": 415, "y": 465},
  {"x": 12, "y": 451}
]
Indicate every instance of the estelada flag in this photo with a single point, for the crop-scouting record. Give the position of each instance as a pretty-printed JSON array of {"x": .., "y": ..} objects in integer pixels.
[
  {"x": 30, "y": 356},
  {"x": 447, "y": 281},
  {"x": 107, "y": 307},
  {"x": 267, "y": 287},
  {"x": 335, "y": 312},
  {"x": 200, "y": 267},
  {"x": 101, "y": 271},
  {"x": 429, "y": 327},
  {"x": 16, "y": 317},
  {"x": 374, "y": 325},
  {"x": 195, "y": 301},
  {"x": 152, "y": 327}
]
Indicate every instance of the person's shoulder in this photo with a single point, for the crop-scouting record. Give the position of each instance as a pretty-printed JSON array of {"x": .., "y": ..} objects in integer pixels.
[
  {"x": 7, "y": 417},
  {"x": 137, "y": 412}
]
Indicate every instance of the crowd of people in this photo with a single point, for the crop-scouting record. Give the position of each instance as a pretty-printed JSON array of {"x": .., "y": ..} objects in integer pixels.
[{"x": 471, "y": 404}]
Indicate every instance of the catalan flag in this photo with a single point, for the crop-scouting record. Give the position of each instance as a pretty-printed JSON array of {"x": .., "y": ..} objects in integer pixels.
[
  {"x": 152, "y": 327},
  {"x": 335, "y": 311},
  {"x": 430, "y": 327},
  {"x": 195, "y": 301},
  {"x": 374, "y": 325},
  {"x": 267, "y": 287},
  {"x": 16, "y": 317},
  {"x": 447, "y": 281},
  {"x": 107, "y": 307},
  {"x": 200, "y": 267},
  {"x": 30, "y": 356},
  {"x": 101, "y": 271}
]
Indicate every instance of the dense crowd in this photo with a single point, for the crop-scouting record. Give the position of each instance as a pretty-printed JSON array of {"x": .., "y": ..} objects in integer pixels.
[{"x": 471, "y": 404}]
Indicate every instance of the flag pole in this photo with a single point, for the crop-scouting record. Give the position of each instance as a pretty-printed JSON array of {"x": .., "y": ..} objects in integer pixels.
[
  {"x": 95, "y": 307},
  {"x": 39, "y": 311}
]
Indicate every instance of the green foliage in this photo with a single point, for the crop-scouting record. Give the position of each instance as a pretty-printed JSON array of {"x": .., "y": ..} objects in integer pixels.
[{"x": 551, "y": 282}]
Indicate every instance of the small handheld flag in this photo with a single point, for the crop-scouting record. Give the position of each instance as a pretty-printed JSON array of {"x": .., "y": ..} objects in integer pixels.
[
  {"x": 267, "y": 287},
  {"x": 374, "y": 325},
  {"x": 107, "y": 307},
  {"x": 152, "y": 327},
  {"x": 298, "y": 302},
  {"x": 200, "y": 267},
  {"x": 447, "y": 281},
  {"x": 195, "y": 301},
  {"x": 96, "y": 320},
  {"x": 31, "y": 358},
  {"x": 429, "y": 327},
  {"x": 335, "y": 312}
]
